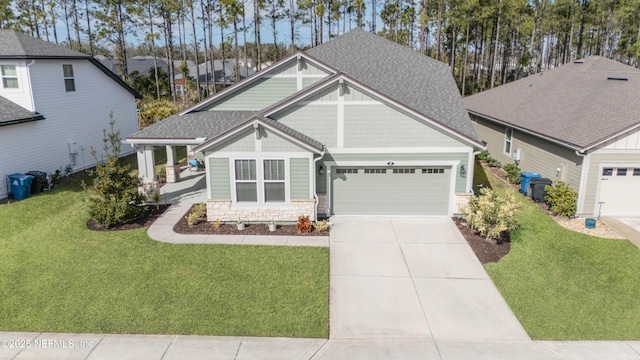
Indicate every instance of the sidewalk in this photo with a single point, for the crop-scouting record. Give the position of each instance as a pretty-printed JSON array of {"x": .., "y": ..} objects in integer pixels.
[{"x": 169, "y": 347}]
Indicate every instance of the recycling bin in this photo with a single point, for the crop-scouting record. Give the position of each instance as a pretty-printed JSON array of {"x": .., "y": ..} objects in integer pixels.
[
  {"x": 20, "y": 185},
  {"x": 525, "y": 179},
  {"x": 39, "y": 181}
]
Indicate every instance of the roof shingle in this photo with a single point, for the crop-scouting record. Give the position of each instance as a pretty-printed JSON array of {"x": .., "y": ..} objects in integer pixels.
[
  {"x": 12, "y": 113},
  {"x": 14, "y": 44},
  {"x": 575, "y": 104}
]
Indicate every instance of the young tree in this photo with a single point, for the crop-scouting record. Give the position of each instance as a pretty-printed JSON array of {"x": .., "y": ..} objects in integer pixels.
[{"x": 115, "y": 198}]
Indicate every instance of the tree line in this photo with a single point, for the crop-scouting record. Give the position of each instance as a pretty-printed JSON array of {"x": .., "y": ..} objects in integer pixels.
[{"x": 485, "y": 42}]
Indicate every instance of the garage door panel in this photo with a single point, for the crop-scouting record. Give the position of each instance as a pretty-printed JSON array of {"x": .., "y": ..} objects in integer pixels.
[
  {"x": 619, "y": 195},
  {"x": 380, "y": 191}
]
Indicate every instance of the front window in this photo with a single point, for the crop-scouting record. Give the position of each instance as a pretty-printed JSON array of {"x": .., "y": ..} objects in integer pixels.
[
  {"x": 274, "y": 181},
  {"x": 69, "y": 82},
  {"x": 246, "y": 184},
  {"x": 9, "y": 76},
  {"x": 508, "y": 135}
]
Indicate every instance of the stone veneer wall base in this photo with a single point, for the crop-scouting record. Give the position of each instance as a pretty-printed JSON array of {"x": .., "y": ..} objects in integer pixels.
[{"x": 224, "y": 211}]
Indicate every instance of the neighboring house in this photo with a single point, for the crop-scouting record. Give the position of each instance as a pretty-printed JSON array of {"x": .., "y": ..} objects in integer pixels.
[
  {"x": 54, "y": 104},
  {"x": 222, "y": 69},
  {"x": 143, "y": 64},
  {"x": 356, "y": 126},
  {"x": 578, "y": 123}
]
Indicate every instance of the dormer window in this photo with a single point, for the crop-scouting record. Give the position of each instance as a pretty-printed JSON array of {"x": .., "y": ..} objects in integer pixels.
[
  {"x": 69, "y": 82},
  {"x": 9, "y": 76}
]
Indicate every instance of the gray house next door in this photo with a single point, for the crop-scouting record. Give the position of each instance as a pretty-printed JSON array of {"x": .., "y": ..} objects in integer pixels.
[{"x": 398, "y": 190}]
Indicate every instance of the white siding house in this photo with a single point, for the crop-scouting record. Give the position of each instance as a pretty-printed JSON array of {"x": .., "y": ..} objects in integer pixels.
[{"x": 72, "y": 92}]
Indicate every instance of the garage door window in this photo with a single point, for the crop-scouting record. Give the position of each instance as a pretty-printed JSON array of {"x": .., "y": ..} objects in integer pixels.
[
  {"x": 636, "y": 172},
  {"x": 246, "y": 184},
  {"x": 274, "y": 181},
  {"x": 433, "y": 171},
  {"x": 607, "y": 171},
  {"x": 621, "y": 172},
  {"x": 404, "y": 171}
]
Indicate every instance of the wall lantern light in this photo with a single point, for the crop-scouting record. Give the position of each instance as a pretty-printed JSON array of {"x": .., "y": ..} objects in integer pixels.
[
  {"x": 321, "y": 170},
  {"x": 463, "y": 171}
]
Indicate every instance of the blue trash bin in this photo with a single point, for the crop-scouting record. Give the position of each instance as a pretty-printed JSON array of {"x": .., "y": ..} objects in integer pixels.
[
  {"x": 525, "y": 179},
  {"x": 20, "y": 186}
]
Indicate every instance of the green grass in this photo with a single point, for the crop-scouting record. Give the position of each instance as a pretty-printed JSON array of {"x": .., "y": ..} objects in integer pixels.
[
  {"x": 566, "y": 285},
  {"x": 55, "y": 275}
]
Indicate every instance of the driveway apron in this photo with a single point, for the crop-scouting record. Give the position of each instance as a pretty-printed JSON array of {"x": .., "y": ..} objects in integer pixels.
[{"x": 412, "y": 278}]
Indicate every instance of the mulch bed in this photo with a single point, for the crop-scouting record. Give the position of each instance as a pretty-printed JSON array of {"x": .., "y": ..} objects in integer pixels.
[
  {"x": 485, "y": 251},
  {"x": 148, "y": 219},
  {"x": 204, "y": 227}
]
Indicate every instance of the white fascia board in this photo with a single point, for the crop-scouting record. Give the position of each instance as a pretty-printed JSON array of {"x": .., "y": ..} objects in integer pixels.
[
  {"x": 400, "y": 150},
  {"x": 250, "y": 125},
  {"x": 258, "y": 75},
  {"x": 134, "y": 141},
  {"x": 385, "y": 163}
]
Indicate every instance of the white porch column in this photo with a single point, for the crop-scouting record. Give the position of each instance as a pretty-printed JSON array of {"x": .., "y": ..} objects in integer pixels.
[
  {"x": 173, "y": 169},
  {"x": 146, "y": 163},
  {"x": 189, "y": 148}
]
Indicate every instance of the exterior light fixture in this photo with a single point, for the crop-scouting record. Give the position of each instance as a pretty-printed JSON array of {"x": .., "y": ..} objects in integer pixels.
[
  {"x": 463, "y": 171},
  {"x": 390, "y": 163},
  {"x": 321, "y": 170}
]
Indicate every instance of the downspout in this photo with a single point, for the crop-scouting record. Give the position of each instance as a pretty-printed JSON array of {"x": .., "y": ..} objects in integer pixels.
[
  {"x": 583, "y": 180},
  {"x": 33, "y": 104},
  {"x": 315, "y": 189}
]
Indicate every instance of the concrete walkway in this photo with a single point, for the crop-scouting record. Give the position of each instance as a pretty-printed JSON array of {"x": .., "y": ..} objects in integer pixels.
[{"x": 629, "y": 228}]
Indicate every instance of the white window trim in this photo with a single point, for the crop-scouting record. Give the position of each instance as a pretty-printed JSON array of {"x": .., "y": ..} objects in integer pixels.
[
  {"x": 65, "y": 78},
  {"x": 284, "y": 182},
  {"x": 3, "y": 76},
  {"x": 260, "y": 182},
  {"x": 235, "y": 180},
  {"x": 508, "y": 140}
]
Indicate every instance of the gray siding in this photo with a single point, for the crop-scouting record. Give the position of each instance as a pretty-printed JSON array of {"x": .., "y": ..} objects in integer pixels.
[
  {"x": 299, "y": 178},
  {"x": 274, "y": 143},
  {"x": 536, "y": 154},
  {"x": 316, "y": 121},
  {"x": 321, "y": 180},
  {"x": 308, "y": 81},
  {"x": 352, "y": 94},
  {"x": 308, "y": 68},
  {"x": 382, "y": 126},
  {"x": 257, "y": 96},
  {"x": 593, "y": 174},
  {"x": 219, "y": 173},
  {"x": 243, "y": 142},
  {"x": 461, "y": 183}
]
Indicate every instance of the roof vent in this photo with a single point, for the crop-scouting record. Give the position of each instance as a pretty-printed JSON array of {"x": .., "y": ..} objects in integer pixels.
[
  {"x": 578, "y": 62},
  {"x": 617, "y": 78}
]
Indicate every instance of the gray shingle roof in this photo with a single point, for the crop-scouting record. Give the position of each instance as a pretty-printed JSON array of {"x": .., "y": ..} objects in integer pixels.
[
  {"x": 574, "y": 104},
  {"x": 12, "y": 113},
  {"x": 420, "y": 82},
  {"x": 199, "y": 124},
  {"x": 14, "y": 44}
]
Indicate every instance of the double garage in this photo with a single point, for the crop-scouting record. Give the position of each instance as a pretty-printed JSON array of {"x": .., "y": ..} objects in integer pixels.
[{"x": 392, "y": 190}]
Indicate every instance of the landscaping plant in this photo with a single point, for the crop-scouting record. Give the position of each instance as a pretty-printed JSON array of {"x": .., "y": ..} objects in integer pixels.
[
  {"x": 198, "y": 212},
  {"x": 487, "y": 159},
  {"x": 304, "y": 224},
  {"x": 492, "y": 212},
  {"x": 513, "y": 172},
  {"x": 561, "y": 199},
  {"x": 321, "y": 225},
  {"x": 115, "y": 198}
]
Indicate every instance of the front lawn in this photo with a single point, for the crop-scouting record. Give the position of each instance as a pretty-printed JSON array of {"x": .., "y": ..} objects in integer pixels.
[
  {"x": 58, "y": 276},
  {"x": 564, "y": 285}
]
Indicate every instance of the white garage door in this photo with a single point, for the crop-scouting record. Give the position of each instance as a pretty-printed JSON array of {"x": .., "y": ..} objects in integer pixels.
[
  {"x": 391, "y": 190},
  {"x": 620, "y": 192}
]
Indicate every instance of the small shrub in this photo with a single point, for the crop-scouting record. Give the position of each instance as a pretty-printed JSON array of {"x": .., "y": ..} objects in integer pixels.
[
  {"x": 304, "y": 224},
  {"x": 216, "y": 224},
  {"x": 487, "y": 159},
  {"x": 198, "y": 212},
  {"x": 513, "y": 173},
  {"x": 321, "y": 225},
  {"x": 492, "y": 212},
  {"x": 561, "y": 198}
]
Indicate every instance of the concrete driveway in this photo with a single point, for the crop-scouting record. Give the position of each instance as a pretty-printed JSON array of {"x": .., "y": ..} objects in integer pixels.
[{"x": 412, "y": 278}]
